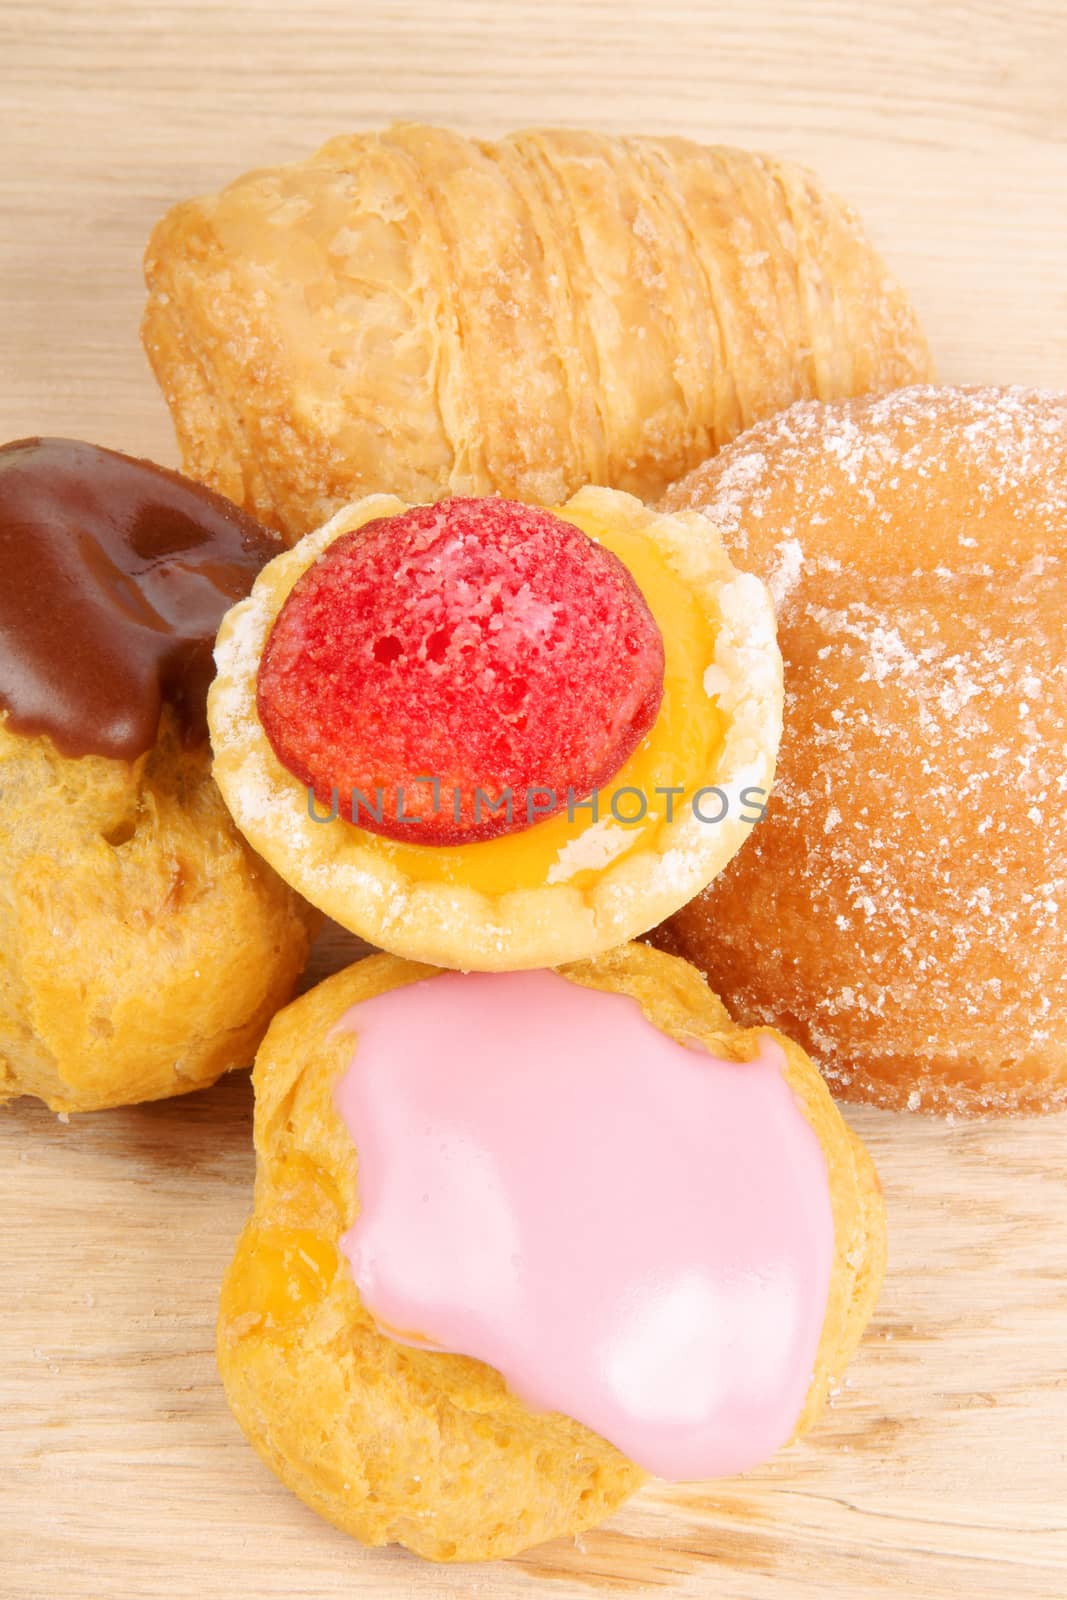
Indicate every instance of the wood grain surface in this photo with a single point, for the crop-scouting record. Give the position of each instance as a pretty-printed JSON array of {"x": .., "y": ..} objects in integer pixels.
[{"x": 941, "y": 1469}]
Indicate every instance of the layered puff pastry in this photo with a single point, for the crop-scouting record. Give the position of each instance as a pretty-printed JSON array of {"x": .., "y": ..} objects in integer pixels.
[
  {"x": 394, "y": 1441},
  {"x": 425, "y": 315},
  {"x": 573, "y": 883}
]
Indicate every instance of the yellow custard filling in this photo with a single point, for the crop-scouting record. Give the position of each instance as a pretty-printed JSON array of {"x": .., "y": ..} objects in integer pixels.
[
  {"x": 678, "y": 752},
  {"x": 277, "y": 1276}
]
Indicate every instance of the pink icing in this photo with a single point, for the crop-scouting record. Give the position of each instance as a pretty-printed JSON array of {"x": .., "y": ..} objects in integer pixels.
[{"x": 630, "y": 1230}]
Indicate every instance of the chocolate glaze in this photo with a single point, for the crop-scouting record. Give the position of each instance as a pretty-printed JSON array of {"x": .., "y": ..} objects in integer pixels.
[{"x": 114, "y": 577}]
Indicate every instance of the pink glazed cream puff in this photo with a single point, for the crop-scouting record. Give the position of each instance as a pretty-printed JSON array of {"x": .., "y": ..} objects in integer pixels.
[{"x": 521, "y": 1240}]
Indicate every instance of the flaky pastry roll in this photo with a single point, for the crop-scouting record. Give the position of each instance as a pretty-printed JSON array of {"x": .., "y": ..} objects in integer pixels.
[{"x": 422, "y": 314}]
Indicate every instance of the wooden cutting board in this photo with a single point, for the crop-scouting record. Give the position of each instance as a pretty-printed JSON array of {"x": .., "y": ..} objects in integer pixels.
[{"x": 940, "y": 1469}]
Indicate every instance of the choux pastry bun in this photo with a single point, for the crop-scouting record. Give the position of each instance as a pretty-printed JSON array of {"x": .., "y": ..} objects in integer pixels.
[
  {"x": 492, "y": 736},
  {"x": 900, "y": 908},
  {"x": 143, "y": 947},
  {"x": 420, "y": 314},
  {"x": 521, "y": 1239}
]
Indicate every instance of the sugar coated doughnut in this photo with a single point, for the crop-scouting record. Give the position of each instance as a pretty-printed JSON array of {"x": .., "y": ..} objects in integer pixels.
[{"x": 900, "y": 909}]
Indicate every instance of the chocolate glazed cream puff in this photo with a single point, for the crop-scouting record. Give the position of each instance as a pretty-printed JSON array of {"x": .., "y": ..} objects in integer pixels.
[
  {"x": 143, "y": 947},
  {"x": 493, "y": 736},
  {"x": 522, "y": 1239}
]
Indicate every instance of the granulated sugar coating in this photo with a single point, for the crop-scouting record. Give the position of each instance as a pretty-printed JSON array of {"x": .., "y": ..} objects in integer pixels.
[
  {"x": 902, "y": 909},
  {"x": 478, "y": 644}
]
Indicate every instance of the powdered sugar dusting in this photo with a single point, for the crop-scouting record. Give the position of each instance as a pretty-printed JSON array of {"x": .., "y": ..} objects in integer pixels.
[
  {"x": 902, "y": 907},
  {"x": 785, "y": 574},
  {"x": 594, "y": 847}
]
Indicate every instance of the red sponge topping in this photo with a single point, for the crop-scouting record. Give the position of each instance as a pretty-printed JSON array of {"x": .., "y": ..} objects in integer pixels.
[{"x": 461, "y": 656}]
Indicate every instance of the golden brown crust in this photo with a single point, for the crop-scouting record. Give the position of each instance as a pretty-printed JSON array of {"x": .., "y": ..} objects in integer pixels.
[
  {"x": 394, "y": 1443},
  {"x": 423, "y": 314},
  {"x": 143, "y": 947},
  {"x": 899, "y": 909},
  {"x": 339, "y": 867}
]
